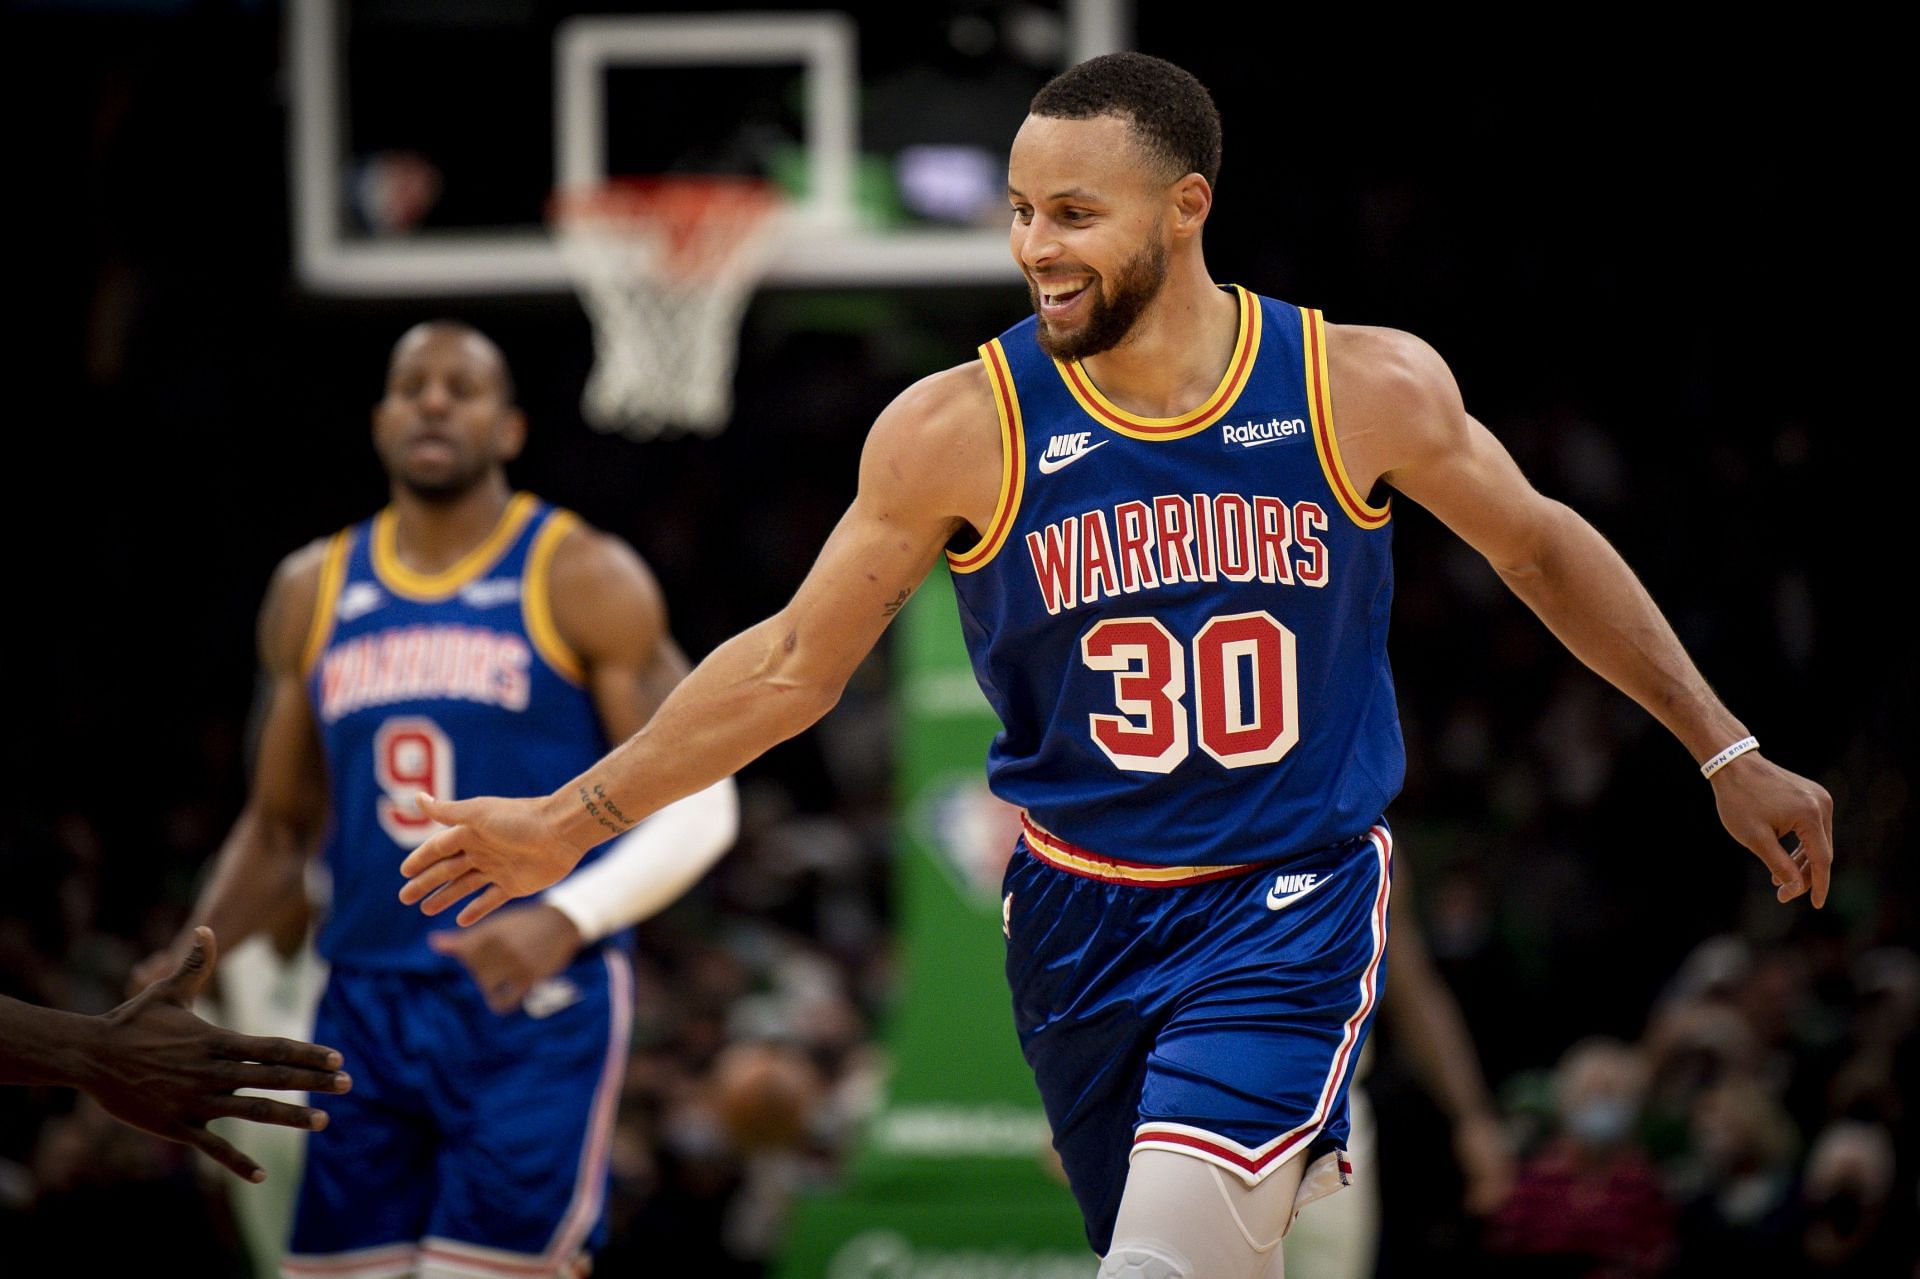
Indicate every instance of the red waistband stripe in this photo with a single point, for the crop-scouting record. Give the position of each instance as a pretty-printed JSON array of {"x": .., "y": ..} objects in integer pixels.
[{"x": 1075, "y": 860}]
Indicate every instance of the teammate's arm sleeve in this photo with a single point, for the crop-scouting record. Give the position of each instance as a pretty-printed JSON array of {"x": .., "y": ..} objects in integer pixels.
[{"x": 648, "y": 868}]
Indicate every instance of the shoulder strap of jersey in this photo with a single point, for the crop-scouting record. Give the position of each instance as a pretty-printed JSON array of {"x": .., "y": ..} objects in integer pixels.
[
  {"x": 1320, "y": 408},
  {"x": 536, "y": 595},
  {"x": 1013, "y": 461},
  {"x": 333, "y": 574}
]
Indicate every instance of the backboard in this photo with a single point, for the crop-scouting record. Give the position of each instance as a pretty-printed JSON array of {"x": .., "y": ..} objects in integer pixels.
[{"x": 428, "y": 135}]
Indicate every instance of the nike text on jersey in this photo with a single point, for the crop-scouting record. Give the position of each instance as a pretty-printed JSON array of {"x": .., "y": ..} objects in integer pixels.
[{"x": 1064, "y": 450}]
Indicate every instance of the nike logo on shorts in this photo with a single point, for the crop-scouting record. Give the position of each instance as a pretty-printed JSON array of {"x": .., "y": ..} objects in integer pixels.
[{"x": 1288, "y": 889}]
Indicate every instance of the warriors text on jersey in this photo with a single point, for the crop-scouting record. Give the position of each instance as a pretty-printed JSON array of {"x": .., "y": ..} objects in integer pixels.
[
  {"x": 455, "y": 683},
  {"x": 1182, "y": 622}
]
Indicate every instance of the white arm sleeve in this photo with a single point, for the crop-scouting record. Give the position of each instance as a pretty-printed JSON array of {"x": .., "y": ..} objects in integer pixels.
[{"x": 647, "y": 868}]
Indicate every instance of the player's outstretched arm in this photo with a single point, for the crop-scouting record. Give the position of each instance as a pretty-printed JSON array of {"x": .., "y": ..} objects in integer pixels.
[
  {"x": 1399, "y": 418},
  {"x": 261, "y": 863},
  {"x": 152, "y": 1064},
  {"x": 611, "y": 617},
  {"x": 931, "y": 466}
]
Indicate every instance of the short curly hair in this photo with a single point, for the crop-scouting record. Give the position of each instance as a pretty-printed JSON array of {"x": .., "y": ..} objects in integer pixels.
[{"x": 1171, "y": 112}]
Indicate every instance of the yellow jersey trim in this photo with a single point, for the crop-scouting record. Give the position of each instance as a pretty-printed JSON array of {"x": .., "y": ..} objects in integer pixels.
[
  {"x": 536, "y": 598},
  {"x": 1057, "y": 852},
  {"x": 431, "y": 588},
  {"x": 1013, "y": 464},
  {"x": 1320, "y": 406},
  {"x": 1246, "y": 353},
  {"x": 333, "y": 575}
]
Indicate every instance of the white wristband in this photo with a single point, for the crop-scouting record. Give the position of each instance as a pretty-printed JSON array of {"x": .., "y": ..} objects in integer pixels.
[{"x": 1728, "y": 755}]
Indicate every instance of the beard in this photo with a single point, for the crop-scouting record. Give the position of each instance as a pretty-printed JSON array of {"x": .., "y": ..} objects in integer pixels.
[
  {"x": 443, "y": 484},
  {"x": 1111, "y": 315}
]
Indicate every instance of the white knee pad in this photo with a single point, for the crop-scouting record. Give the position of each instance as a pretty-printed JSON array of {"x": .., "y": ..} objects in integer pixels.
[
  {"x": 1137, "y": 1259},
  {"x": 1184, "y": 1218}
]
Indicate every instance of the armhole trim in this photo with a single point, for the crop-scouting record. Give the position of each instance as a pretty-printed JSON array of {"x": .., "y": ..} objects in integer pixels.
[
  {"x": 333, "y": 575},
  {"x": 536, "y": 599},
  {"x": 1013, "y": 464},
  {"x": 1320, "y": 407}
]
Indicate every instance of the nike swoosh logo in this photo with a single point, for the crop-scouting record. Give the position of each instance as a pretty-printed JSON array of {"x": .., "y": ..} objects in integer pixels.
[
  {"x": 1048, "y": 465},
  {"x": 1275, "y": 902}
]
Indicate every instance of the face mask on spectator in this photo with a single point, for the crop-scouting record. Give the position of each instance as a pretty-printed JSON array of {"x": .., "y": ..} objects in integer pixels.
[{"x": 1600, "y": 1121}]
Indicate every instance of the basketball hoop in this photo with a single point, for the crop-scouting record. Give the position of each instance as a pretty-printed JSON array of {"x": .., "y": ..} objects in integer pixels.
[{"x": 664, "y": 267}]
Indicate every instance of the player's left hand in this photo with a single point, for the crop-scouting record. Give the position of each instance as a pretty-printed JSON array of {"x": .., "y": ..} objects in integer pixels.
[
  {"x": 152, "y": 1064},
  {"x": 1760, "y": 804},
  {"x": 512, "y": 952},
  {"x": 1487, "y": 1162},
  {"x": 499, "y": 848}
]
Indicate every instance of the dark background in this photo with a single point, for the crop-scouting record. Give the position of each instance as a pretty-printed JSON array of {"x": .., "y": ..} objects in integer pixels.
[{"x": 1658, "y": 273}]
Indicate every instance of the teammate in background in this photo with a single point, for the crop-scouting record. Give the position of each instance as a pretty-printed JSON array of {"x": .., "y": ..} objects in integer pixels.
[
  {"x": 1161, "y": 502},
  {"x": 463, "y": 638},
  {"x": 1340, "y": 1238},
  {"x": 155, "y": 1066}
]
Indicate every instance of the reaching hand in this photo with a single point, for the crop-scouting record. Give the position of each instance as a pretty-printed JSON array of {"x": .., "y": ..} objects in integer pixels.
[
  {"x": 501, "y": 846},
  {"x": 159, "y": 964},
  {"x": 1485, "y": 1153},
  {"x": 512, "y": 952},
  {"x": 156, "y": 1066},
  {"x": 1760, "y": 804}
]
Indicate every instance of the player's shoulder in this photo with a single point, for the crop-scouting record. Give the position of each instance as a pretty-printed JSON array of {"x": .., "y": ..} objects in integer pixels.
[
  {"x": 588, "y": 558},
  {"x": 1387, "y": 376},
  {"x": 292, "y": 598},
  {"x": 940, "y": 422}
]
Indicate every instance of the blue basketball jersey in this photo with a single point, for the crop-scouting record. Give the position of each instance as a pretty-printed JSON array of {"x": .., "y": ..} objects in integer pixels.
[
  {"x": 1182, "y": 622},
  {"x": 456, "y": 683}
]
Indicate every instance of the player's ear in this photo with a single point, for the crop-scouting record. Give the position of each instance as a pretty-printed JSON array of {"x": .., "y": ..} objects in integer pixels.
[
  {"x": 511, "y": 433},
  {"x": 1192, "y": 201}
]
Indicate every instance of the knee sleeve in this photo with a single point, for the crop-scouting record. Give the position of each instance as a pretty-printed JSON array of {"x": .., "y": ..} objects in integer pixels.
[
  {"x": 1137, "y": 1259},
  {"x": 1194, "y": 1220}
]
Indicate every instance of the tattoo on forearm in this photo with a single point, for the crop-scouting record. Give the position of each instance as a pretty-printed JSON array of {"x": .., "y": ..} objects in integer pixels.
[
  {"x": 606, "y": 802},
  {"x": 899, "y": 601},
  {"x": 599, "y": 813}
]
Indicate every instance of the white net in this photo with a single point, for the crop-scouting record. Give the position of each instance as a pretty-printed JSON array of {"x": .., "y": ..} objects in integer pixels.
[{"x": 665, "y": 268}]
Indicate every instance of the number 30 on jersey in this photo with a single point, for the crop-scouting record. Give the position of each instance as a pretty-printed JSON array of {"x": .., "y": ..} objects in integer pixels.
[
  {"x": 410, "y": 755},
  {"x": 1245, "y": 689}
]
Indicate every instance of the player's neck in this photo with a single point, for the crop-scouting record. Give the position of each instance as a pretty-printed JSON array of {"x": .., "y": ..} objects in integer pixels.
[
  {"x": 430, "y": 536},
  {"x": 1177, "y": 352}
]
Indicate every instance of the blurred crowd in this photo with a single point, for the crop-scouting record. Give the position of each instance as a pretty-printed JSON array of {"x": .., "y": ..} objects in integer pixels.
[{"x": 1756, "y": 1127}]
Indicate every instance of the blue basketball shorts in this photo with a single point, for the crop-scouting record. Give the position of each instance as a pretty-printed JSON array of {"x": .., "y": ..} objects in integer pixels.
[
  {"x": 472, "y": 1144},
  {"x": 1217, "y": 1012}
]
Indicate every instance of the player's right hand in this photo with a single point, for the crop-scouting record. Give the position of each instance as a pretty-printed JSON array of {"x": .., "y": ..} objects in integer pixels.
[
  {"x": 1760, "y": 803},
  {"x": 154, "y": 1065},
  {"x": 499, "y": 848}
]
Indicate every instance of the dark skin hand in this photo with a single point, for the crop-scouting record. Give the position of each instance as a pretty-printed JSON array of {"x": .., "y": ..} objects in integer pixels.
[{"x": 153, "y": 1065}]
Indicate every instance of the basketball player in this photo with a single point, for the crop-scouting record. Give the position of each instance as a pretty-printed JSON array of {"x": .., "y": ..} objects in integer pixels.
[
  {"x": 153, "y": 1065},
  {"x": 1163, "y": 502},
  {"x": 464, "y": 637}
]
